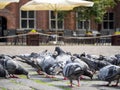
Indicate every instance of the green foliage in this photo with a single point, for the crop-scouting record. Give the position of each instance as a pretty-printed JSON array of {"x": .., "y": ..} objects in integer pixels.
[
  {"x": 33, "y": 30},
  {"x": 117, "y": 33},
  {"x": 97, "y": 11},
  {"x": 42, "y": 82},
  {"x": 61, "y": 15},
  {"x": 22, "y": 76},
  {"x": 2, "y": 88}
]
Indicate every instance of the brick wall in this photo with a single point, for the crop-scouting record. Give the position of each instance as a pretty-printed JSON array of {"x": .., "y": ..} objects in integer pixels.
[
  {"x": 42, "y": 20},
  {"x": 11, "y": 13},
  {"x": 117, "y": 16},
  {"x": 70, "y": 22}
]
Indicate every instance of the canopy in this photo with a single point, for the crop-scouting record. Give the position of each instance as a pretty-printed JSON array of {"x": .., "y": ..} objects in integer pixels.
[
  {"x": 4, "y": 3},
  {"x": 55, "y": 5}
]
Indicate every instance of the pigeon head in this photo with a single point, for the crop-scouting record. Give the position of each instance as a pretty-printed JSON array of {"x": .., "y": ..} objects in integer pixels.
[
  {"x": 88, "y": 73},
  {"x": 83, "y": 54},
  {"x": 59, "y": 50},
  {"x": 56, "y": 68}
]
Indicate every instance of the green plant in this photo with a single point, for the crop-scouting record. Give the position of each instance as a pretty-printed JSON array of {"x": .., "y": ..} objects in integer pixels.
[
  {"x": 33, "y": 30},
  {"x": 117, "y": 33},
  {"x": 89, "y": 33}
]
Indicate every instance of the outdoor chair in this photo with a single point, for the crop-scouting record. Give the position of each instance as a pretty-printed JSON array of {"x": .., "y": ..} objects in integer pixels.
[{"x": 12, "y": 39}]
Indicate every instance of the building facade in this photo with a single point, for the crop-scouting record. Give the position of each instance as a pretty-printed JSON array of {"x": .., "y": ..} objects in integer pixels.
[{"x": 12, "y": 18}]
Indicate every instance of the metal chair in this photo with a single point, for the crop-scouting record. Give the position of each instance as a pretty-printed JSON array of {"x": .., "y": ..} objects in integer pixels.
[{"x": 12, "y": 40}]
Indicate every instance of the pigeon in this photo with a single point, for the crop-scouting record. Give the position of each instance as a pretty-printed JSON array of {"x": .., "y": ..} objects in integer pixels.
[
  {"x": 3, "y": 72},
  {"x": 41, "y": 62},
  {"x": 85, "y": 67},
  {"x": 74, "y": 68},
  {"x": 72, "y": 71},
  {"x": 62, "y": 56},
  {"x": 13, "y": 67},
  {"x": 109, "y": 73},
  {"x": 59, "y": 50},
  {"x": 94, "y": 64}
]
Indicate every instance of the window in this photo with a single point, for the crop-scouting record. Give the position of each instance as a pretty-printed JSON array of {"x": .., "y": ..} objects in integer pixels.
[
  {"x": 28, "y": 20},
  {"x": 108, "y": 21},
  {"x": 52, "y": 21},
  {"x": 81, "y": 23}
]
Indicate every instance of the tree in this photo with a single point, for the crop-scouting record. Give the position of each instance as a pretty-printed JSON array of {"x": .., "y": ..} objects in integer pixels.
[{"x": 97, "y": 11}]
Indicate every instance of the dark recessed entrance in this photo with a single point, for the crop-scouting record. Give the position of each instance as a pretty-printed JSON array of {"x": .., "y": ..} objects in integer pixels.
[{"x": 3, "y": 27}]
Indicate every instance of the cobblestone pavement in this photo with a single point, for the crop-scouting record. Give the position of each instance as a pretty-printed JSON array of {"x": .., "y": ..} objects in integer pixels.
[
  {"x": 104, "y": 50},
  {"x": 40, "y": 82}
]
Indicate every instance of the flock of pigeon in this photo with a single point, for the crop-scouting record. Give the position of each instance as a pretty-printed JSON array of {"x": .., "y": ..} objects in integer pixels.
[{"x": 71, "y": 66}]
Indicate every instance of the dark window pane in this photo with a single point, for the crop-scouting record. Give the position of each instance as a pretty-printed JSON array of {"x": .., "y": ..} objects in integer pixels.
[
  {"x": 23, "y": 14},
  {"x": 31, "y": 23},
  {"x": 60, "y": 24},
  {"x": 60, "y": 16},
  {"x": 111, "y": 25},
  {"x": 24, "y": 23},
  {"x": 53, "y": 24},
  {"x": 105, "y": 25},
  {"x": 86, "y": 25},
  {"x": 52, "y": 15},
  {"x": 31, "y": 14},
  {"x": 80, "y": 24},
  {"x": 110, "y": 16},
  {"x": 106, "y": 16},
  {"x": 80, "y": 15}
]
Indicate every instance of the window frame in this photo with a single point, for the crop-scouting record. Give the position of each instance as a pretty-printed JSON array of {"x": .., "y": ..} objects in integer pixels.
[
  {"x": 83, "y": 23},
  {"x": 27, "y": 19},
  {"x": 53, "y": 19},
  {"x": 108, "y": 22}
]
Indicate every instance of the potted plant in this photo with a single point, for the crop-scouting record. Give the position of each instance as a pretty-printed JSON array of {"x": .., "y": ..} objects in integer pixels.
[
  {"x": 33, "y": 31},
  {"x": 117, "y": 33},
  {"x": 33, "y": 38},
  {"x": 89, "y": 33},
  {"x": 116, "y": 38}
]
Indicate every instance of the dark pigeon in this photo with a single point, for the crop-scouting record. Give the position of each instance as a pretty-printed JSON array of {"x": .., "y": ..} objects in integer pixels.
[
  {"x": 110, "y": 73},
  {"x": 114, "y": 59},
  {"x": 94, "y": 64},
  {"x": 59, "y": 50}
]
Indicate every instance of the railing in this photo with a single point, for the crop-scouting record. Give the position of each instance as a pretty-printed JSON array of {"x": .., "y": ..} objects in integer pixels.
[
  {"x": 88, "y": 41},
  {"x": 46, "y": 39}
]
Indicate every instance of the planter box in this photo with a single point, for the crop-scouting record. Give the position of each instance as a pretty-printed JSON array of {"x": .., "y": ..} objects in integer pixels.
[
  {"x": 116, "y": 40},
  {"x": 32, "y": 39}
]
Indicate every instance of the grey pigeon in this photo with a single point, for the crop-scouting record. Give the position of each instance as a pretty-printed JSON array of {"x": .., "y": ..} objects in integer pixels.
[
  {"x": 110, "y": 73},
  {"x": 73, "y": 71},
  {"x": 13, "y": 67},
  {"x": 3, "y": 72}
]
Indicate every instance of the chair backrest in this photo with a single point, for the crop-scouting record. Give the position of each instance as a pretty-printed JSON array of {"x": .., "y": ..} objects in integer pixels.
[
  {"x": 27, "y": 30},
  {"x": 11, "y": 32},
  {"x": 5, "y": 32},
  {"x": 68, "y": 32}
]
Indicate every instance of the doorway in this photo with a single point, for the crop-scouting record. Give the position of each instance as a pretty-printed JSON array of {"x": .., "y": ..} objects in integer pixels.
[{"x": 3, "y": 27}]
